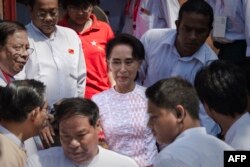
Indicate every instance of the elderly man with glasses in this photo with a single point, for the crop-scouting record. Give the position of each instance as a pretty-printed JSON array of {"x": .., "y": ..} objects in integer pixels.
[
  {"x": 57, "y": 60},
  {"x": 14, "y": 50}
]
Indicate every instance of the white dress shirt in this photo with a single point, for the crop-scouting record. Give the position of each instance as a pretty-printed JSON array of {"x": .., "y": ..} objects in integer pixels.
[
  {"x": 194, "y": 148},
  {"x": 57, "y": 61},
  {"x": 238, "y": 135},
  {"x": 163, "y": 61},
  {"x": 55, "y": 157},
  {"x": 238, "y": 19}
]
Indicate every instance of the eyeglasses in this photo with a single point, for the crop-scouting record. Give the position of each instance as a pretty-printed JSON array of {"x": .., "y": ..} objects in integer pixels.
[
  {"x": 42, "y": 14},
  {"x": 85, "y": 9},
  {"x": 20, "y": 49}
]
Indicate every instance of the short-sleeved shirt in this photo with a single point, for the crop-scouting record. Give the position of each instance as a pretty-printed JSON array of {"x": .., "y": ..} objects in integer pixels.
[
  {"x": 94, "y": 41},
  {"x": 55, "y": 157}
]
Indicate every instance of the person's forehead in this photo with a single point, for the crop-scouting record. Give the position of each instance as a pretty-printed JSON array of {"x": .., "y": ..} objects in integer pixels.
[
  {"x": 75, "y": 120},
  {"x": 194, "y": 16},
  {"x": 46, "y": 4},
  {"x": 195, "y": 20},
  {"x": 17, "y": 37}
]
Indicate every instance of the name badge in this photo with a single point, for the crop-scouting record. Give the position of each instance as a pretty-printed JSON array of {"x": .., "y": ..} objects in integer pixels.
[{"x": 219, "y": 28}]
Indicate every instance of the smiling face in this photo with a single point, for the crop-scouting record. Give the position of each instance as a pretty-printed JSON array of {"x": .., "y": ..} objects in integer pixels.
[
  {"x": 163, "y": 122},
  {"x": 44, "y": 15},
  {"x": 123, "y": 67},
  {"x": 14, "y": 54},
  {"x": 78, "y": 138},
  {"x": 192, "y": 31}
]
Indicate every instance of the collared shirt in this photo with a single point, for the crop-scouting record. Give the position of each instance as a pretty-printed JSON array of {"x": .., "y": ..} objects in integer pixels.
[
  {"x": 12, "y": 137},
  {"x": 163, "y": 61},
  {"x": 57, "y": 61},
  {"x": 124, "y": 121},
  {"x": 238, "y": 19},
  {"x": 194, "y": 147},
  {"x": 238, "y": 135},
  {"x": 55, "y": 157},
  {"x": 94, "y": 41},
  {"x": 4, "y": 80},
  {"x": 30, "y": 145},
  {"x": 12, "y": 149}
]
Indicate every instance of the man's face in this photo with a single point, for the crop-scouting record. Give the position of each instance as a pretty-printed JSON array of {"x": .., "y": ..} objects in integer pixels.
[
  {"x": 42, "y": 118},
  {"x": 15, "y": 53},
  {"x": 192, "y": 31},
  {"x": 163, "y": 123},
  {"x": 44, "y": 15},
  {"x": 78, "y": 138}
]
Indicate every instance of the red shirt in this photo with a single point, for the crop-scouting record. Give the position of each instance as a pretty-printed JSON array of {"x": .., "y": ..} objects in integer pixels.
[{"x": 94, "y": 41}]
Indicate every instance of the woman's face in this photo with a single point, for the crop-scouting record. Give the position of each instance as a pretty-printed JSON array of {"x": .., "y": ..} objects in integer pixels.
[
  {"x": 123, "y": 67},
  {"x": 79, "y": 14}
]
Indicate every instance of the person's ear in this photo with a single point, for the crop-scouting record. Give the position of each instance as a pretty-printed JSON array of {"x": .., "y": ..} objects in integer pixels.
[
  {"x": 108, "y": 65},
  {"x": 30, "y": 9},
  {"x": 33, "y": 114},
  {"x": 180, "y": 113},
  {"x": 208, "y": 110},
  {"x": 98, "y": 125},
  {"x": 177, "y": 23}
]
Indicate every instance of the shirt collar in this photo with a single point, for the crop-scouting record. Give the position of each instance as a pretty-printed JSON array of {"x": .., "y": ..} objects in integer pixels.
[
  {"x": 236, "y": 124},
  {"x": 95, "y": 23},
  {"x": 192, "y": 131},
  {"x": 198, "y": 55},
  {"x": 11, "y": 136},
  {"x": 53, "y": 35}
]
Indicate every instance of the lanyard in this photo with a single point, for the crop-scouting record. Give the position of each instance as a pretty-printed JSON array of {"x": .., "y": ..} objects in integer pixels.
[{"x": 135, "y": 8}]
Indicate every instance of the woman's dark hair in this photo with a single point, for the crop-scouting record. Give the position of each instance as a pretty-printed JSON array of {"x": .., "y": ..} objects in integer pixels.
[
  {"x": 19, "y": 98},
  {"x": 138, "y": 52}
]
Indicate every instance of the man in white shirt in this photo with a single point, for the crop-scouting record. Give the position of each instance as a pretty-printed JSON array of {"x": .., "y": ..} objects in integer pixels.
[
  {"x": 222, "y": 89},
  {"x": 231, "y": 32},
  {"x": 79, "y": 124},
  {"x": 23, "y": 112},
  {"x": 173, "y": 108},
  {"x": 181, "y": 52},
  {"x": 57, "y": 59}
]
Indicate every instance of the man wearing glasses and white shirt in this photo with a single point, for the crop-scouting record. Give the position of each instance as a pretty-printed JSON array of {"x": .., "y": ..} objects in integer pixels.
[{"x": 57, "y": 60}]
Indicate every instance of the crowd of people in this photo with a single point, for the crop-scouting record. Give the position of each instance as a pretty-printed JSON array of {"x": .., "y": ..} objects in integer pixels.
[{"x": 75, "y": 91}]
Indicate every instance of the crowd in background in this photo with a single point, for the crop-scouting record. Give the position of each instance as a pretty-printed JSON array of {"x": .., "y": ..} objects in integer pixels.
[{"x": 130, "y": 83}]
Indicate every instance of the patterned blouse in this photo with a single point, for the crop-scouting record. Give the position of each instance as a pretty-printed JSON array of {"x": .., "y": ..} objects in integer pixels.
[{"x": 124, "y": 121}]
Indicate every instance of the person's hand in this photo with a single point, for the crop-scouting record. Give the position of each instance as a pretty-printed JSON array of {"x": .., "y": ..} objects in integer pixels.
[{"x": 46, "y": 135}]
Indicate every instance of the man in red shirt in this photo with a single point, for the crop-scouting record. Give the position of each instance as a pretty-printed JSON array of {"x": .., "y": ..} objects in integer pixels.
[{"x": 94, "y": 35}]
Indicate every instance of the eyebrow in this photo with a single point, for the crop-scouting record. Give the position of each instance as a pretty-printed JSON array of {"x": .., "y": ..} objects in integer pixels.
[{"x": 78, "y": 132}]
